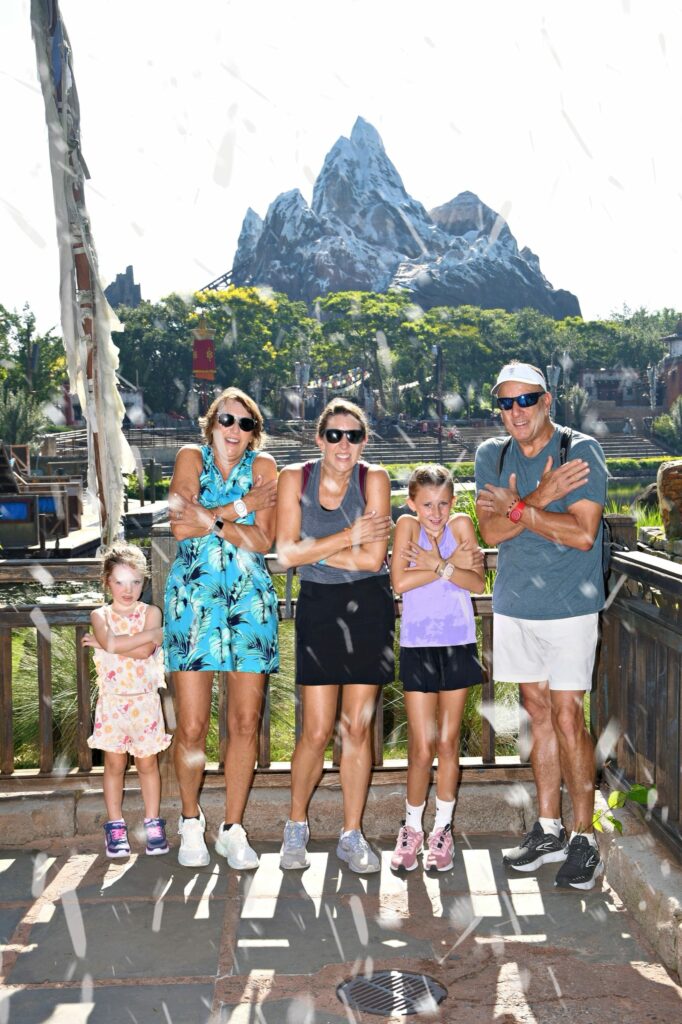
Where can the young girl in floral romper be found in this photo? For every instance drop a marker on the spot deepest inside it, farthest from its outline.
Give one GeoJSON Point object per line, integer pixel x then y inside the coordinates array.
{"type": "Point", "coordinates": [126, 637]}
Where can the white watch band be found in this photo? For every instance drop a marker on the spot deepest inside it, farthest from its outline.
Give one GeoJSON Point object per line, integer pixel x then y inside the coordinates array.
{"type": "Point", "coordinates": [240, 508]}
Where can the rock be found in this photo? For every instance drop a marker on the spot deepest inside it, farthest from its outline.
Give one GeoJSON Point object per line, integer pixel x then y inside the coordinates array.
{"type": "Point", "coordinates": [365, 232]}
{"type": "Point", "coordinates": [647, 498]}
{"type": "Point", "coordinates": [669, 485]}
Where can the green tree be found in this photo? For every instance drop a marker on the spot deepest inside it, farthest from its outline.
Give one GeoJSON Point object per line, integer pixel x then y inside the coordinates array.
{"type": "Point", "coordinates": [31, 364]}
{"type": "Point", "coordinates": [22, 419]}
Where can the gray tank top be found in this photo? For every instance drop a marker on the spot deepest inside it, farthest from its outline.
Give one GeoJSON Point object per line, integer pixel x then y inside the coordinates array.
{"type": "Point", "coordinates": [321, 522]}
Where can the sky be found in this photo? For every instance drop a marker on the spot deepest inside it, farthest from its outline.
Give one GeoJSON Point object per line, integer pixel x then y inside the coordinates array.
{"type": "Point", "coordinates": [562, 115]}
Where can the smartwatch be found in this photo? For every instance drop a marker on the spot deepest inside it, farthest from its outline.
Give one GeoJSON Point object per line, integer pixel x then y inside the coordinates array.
{"type": "Point", "coordinates": [448, 571]}
{"type": "Point", "coordinates": [217, 527]}
{"type": "Point", "coordinates": [516, 511]}
{"type": "Point", "coordinates": [240, 508]}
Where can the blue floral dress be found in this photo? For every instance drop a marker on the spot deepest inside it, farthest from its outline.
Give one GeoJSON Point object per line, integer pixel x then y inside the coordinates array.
{"type": "Point", "coordinates": [220, 610]}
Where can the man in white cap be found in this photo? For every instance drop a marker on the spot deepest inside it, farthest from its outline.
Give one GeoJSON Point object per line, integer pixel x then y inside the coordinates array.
{"type": "Point", "coordinates": [544, 516]}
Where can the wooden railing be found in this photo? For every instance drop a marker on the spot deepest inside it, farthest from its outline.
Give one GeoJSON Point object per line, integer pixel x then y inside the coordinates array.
{"type": "Point", "coordinates": [637, 696]}
{"type": "Point", "coordinates": [77, 616]}
{"type": "Point", "coordinates": [639, 683]}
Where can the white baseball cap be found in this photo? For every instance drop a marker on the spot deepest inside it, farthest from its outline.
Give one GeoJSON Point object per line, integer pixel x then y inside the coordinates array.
{"type": "Point", "coordinates": [522, 373]}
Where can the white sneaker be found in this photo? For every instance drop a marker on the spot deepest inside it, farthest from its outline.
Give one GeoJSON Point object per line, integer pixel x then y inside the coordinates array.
{"type": "Point", "coordinates": [193, 852]}
{"type": "Point", "coordinates": [233, 844]}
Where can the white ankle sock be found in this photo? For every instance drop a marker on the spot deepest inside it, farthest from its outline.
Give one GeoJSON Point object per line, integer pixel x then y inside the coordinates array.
{"type": "Point", "coordinates": [444, 812]}
{"type": "Point", "coordinates": [414, 815]}
{"type": "Point", "coordinates": [590, 836]}
{"type": "Point", "coordinates": [552, 826]}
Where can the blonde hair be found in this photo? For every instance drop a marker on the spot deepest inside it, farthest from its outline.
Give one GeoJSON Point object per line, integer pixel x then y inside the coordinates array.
{"type": "Point", "coordinates": [123, 554]}
{"type": "Point", "coordinates": [208, 422]}
{"type": "Point", "coordinates": [341, 407]}
{"type": "Point", "coordinates": [429, 475]}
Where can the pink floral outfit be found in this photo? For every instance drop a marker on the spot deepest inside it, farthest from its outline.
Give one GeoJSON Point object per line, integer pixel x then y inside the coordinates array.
{"type": "Point", "coordinates": [128, 715]}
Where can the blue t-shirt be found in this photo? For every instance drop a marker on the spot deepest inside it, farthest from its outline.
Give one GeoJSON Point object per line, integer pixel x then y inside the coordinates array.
{"type": "Point", "coordinates": [538, 578]}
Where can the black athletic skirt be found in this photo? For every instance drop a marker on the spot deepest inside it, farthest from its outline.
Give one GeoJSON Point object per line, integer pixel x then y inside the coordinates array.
{"type": "Point", "coordinates": [345, 633]}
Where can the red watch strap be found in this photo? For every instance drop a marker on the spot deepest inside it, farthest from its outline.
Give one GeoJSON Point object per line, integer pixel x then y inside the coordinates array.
{"type": "Point", "coordinates": [517, 509]}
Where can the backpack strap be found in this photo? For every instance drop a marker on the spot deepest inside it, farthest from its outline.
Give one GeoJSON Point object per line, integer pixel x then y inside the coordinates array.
{"type": "Point", "coordinates": [502, 455]}
{"type": "Point", "coordinates": [307, 470]}
{"type": "Point", "coordinates": [565, 444]}
{"type": "Point", "coordinates": [362, 478]}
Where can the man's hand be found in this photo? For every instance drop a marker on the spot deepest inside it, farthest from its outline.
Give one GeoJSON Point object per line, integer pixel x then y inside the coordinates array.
{"type": "Point", "coordinates": [498, 500]}
{"type": "Point", "coordinates": [557, 483]}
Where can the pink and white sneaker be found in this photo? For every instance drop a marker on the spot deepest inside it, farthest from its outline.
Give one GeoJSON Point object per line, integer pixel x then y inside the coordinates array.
{"type": "Point", "coordinates": [440, 853]}
{"type": "Point", "coordinates": [409, 845]}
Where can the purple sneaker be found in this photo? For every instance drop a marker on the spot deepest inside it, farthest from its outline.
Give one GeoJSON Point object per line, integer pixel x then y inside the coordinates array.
{"type": "Point", "coordinates": [116, 839]}
{"type": "Point", "coordinates": [156, 836]}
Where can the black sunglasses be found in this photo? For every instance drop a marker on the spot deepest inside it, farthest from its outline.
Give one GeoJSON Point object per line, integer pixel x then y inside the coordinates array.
{"type": "Point", "coordinates": [333, 435]}
{"type": "Point", "coordinates": [245, 423]}
{"type": "Point", "coordinates": [524, 401]}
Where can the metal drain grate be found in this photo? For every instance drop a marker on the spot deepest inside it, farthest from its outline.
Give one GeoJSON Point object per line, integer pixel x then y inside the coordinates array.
{"type": "Point", "coordinates": [386, 992]}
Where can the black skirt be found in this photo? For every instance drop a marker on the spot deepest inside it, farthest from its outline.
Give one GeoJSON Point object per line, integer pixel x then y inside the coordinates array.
{"type": "Point", "coordinates": [345, 633]}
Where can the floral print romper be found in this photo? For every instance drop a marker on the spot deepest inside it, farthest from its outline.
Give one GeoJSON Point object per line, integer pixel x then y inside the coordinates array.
{"type": "Point", "coordinates": [128, 715]}
{"type": "Point", "coordinates": [221, 608]}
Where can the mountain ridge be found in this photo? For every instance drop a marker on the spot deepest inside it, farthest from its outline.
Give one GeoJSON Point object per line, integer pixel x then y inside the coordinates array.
{"type": "Point", "coordinates": [364, 231]}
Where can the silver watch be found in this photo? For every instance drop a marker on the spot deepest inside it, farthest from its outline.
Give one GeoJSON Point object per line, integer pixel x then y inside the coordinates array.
{"type": "Point", "coordinates": [240, 508]}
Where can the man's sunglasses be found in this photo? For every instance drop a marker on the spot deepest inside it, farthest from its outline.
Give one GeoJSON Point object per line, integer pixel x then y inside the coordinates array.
{"type": "Point", "coordinates": [245, 423]}
{"type": "Point", "coordinates": [333, 436]}
{"type": "Point", "coordinates": [524, 401]}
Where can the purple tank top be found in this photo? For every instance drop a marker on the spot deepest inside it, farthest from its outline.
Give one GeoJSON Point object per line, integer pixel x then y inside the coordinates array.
{"type": "Point", "coordinates": [439, 614]}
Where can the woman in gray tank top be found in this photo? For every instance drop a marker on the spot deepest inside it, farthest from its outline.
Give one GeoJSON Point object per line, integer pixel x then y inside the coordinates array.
{"type": "Point", "coordinates": [333, 520]}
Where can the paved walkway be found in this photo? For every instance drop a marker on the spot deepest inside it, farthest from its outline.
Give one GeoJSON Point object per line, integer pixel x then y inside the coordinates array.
{"type": "Point", "coordinates": [129, 942]}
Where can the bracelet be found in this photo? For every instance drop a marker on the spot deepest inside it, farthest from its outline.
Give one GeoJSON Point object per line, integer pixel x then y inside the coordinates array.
{"type": "Point", "coordinates": [439, 569]}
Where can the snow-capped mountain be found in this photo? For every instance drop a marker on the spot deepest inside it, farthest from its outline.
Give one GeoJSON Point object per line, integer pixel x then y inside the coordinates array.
{"type": "Point", "coordinates": [364, 231]}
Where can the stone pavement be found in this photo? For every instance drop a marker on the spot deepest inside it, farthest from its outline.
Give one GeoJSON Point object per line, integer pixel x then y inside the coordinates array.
{"type": "Point", "coordinates": [128, 942]}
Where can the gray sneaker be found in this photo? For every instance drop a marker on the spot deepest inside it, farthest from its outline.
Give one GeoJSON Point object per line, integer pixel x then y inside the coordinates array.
{"type": "Point", "coordinates": [357, 853]}
{"type": "Point", "coordinates": [293, 854]}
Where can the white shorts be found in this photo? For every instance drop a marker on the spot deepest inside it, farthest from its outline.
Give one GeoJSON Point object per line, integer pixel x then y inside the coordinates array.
{"type": "Point", "coordinates": [559, 651]}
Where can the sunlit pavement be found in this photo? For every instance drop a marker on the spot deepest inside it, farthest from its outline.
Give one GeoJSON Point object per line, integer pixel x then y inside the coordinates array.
{"type": "Point", "coordinates": [92, 940]}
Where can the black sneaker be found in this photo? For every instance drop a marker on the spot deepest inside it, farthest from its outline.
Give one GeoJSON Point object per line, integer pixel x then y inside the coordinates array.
{"type": "Point", "coordinates": [583, 865]}
{"type": "Point", "coordinates": [537, 847]}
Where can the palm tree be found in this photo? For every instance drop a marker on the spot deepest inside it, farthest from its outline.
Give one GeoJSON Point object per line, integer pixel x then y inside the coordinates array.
{"type": "Point", "coordinates": [21, 418]}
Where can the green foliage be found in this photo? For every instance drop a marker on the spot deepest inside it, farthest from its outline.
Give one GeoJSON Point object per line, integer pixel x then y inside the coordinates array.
{"type": "Point", "coordinates": [642, 795]}
{"type": "Point", "coordinates": [21, 418]}
{"type": "Point", "coordinates": [669, 426]}
{"type": "Point", "coordinates": [30, 364]}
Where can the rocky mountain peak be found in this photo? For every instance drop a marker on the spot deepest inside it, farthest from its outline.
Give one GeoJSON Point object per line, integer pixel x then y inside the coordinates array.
{"type": "Point", "coordinates": [364, 231]}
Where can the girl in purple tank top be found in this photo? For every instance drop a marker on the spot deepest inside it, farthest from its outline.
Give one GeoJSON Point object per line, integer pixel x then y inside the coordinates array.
{"type": "Point", "coordinates": [436, 566]}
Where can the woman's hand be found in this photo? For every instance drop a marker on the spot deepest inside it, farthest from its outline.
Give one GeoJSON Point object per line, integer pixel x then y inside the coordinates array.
{"type": "Point", "coordinates": [262, 495]}
{"type": "Point", "coordinates": [421, 558]}
{"type": "Point", "coordinates": [467, 557]}
{"type": "Point", "coordinates": [369, 528]}
{"type": "Point", "coordinates": [193, 516]}
{"type": "Point", "coordinates": [90, 640]}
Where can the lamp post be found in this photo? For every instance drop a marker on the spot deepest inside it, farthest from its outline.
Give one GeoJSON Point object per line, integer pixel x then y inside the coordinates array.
{"type": "Point", "coordinates": [553, 372]}
{"type": "Point", "coordinates": [437, 351]}
{"type": "Point", "coordinates": [302, 375]}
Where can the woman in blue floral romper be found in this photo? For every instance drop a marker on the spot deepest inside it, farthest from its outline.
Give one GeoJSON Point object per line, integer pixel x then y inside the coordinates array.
{"type": "Point", "coordinates": [221, 611]}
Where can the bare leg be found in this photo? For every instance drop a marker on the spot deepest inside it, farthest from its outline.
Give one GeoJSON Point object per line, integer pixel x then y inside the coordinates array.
{"type": "Point", "coordinates": [357, 712]}
{"type": "Point", "coordinates": [319, 713]}
{"type": "Point", "coordinates": [112, 785]}
{"type": "Point", "coordinates": [193, 712]}
{"type": "Point", "coordinates": [544, 755]}
{"type": "Point", "coordinates": [150, 784]}
{"type": "Point", "coordinates": [421, 743]}
{"type": "Point", "coordinates": [450, 710]}
{"type": "Point", "coordinates": [576, 751]}
{"type": "Point", "coordinates": [244, 706]}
